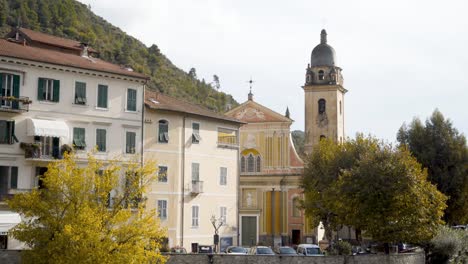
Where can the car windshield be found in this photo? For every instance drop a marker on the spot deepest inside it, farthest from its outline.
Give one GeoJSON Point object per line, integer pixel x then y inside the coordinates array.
{"type": "Point", "coordinates": [264, 251]}
{"type": "Point", "coordinates": [287, 250]}
{"type": "Point", "coordinates": [313, 251]}
{"type": "Point", "coordinates": [236, 250]}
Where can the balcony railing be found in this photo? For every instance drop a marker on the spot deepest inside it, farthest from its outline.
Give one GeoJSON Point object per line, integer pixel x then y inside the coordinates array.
{"type": "Point", "coordinates": [196, 187]}
{"type": "Point", "coordinates": [34, 151]}
{"type": "Point", "coordinates": [14, 104]}
{"type": "Point", "coordinates": [11, 193]}
{"type": "Point", "coordinates": [227, 142]}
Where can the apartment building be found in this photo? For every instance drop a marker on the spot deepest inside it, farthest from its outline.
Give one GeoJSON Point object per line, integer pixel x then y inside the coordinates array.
{"type": "Point", "coordinates": [56, 94]}
{"type": "Point", "coordinates": [197, 154]}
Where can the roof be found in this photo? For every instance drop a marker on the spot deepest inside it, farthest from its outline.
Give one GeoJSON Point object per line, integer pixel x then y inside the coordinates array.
{"type": "Point", "coordinates": [52, 40]}
{"type": "Point", "coordinates": [159, 101]}
{"type": "Point", "coordinates": [323, 54]}
{"type": "Point", "coordinates": [253, 112]}
{"type": "Point", "coordinates": [19, 51]}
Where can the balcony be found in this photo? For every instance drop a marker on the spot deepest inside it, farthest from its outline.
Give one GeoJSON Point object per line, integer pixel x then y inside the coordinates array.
{"type": "Point", "coordinates": [14, 104]}
{"type": "Point", "coordinates": [196, 187]}
{"type": "Point", "coordinates": [10, 193]}
{"type": "Point", "coordinates": [39, 151]}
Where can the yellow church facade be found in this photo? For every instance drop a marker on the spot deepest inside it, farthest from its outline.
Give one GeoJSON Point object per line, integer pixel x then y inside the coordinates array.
{"type": "Point", "coordinates": [270, 174]}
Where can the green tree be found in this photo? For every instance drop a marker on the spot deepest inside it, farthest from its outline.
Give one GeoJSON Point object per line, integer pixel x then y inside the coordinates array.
{"type": "Point", "coordinates": [193, 73]}
{"type": "Point", "coordinates": [440, 148]}
{"type": "Point", "coordinates": [386, 193]}
{"type": "Point", "coordinates": [3, 12]}
{"type": "Point", "coordinates": [298, 138]}
{"type": "Point", "coordinates": [74, 220]}
{"type": "Point", "coordinates": [216, 83]}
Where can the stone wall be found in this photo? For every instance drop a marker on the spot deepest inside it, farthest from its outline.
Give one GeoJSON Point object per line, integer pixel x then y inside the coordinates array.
{"type": "Point", "coordinates": [10, 256]}
{"type": "Point", "coordinates": [416, 258]}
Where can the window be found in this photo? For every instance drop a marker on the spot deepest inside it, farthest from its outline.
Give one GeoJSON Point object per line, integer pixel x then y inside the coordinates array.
{"type": "Point", "coordinates": [242, 164]}
{"type": "Point", "coordinates": [222, 176]}
{"type": "Point", "coordinates": [162, 209]}
{"type": "Point", "coordinates": [79, 138]}
{"type": "Point", "coordinates": [130, 142]}
{"type": "Point", "coordinates": [50, 146]}
{"type": "Point", "coordinates": [340, 108]}
{"type": "Point", "coordinates": [196, 133]}
{"type": "Point", "coordinates": [258, 164]}
{"type": "Point", "coordinates": [223, 214]}
{"type": "Point", "coordinates": [9, 86]}
{"type": "Point", "coordinates": [7, 132]}
{"type": "Point", "coordinates": [322, 104]}
{"type": "Point", "coordinates": [101, 139]}
{"type": "Point", "coordinates": [195, 172]}
{"type": "Point", "coordinates": [48, 90]}
{"type": "Point", "coordinates": [195, 216]}
{"type": "Point", "coordinates": [163, 133]}
{"type": "Point", "coordinates": [250, 163]}
{"type": "Point", "coordinates": [8, 180]}
{"type": "Point", "coordinates": [162, 174]}
{"type": "Point", "coordinates": [131, 100]}
{"type": "Point", "coordinates": [102, 96]}
{"type": "Point", "coordinates": [296, 211]}
{"type": "Point", "coordinates": [322, 137]}
{"type": "Point", "coordinates": [80, 93]}
{"type": "Point", "coordinates": [321, 75]}
{"type": "Point", "coordinates": [227, 137]}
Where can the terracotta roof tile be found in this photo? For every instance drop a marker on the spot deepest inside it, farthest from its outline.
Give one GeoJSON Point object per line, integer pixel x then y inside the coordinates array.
{"type": "Point", "coordinates": [20, 51]}
{"type": "Point", "coordinates": [157, 100]}
{"type": "Point", "coordinates": [52, 40]}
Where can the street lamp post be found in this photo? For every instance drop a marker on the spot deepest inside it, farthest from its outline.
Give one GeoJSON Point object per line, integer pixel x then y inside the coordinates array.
{"type": "Point", "coordinates": [217, 223]}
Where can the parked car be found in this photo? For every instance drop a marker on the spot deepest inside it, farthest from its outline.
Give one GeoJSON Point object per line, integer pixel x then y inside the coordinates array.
{"type": "Point", "coordinates": [309, 250]}
{"type": "Point", "coordinates": [205, 249]}
{"type": "Point", "coordinates": [285, 251]}
{"type": "Point", "coordinates": [234, 250]}
{"type": "Point", "coordinates": [261, 250]}
{"type": "Point", "coordinates": [178, 250]}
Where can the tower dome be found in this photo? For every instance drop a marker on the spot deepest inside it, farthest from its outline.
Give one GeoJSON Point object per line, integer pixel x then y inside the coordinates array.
{"type": "Point", "coordinates": [323, 54]}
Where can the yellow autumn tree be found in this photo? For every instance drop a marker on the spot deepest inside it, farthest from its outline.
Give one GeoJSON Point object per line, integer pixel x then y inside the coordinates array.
{"type": "Point", "coordinates": [74, 219]}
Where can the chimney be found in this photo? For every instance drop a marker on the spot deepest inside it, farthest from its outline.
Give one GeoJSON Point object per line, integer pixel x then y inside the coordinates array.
{"type": "Point", "coordinates": [84, 50]}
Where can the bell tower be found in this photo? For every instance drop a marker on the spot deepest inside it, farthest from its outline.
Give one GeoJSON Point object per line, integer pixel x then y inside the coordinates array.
{"type": "Point", "coordinates": [324, 96]}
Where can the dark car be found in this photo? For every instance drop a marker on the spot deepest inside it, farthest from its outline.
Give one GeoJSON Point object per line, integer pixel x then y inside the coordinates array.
{"type": "Point", "coordinates": [289, 251]}
{"type": "Point", "coordinates": [234, 250]}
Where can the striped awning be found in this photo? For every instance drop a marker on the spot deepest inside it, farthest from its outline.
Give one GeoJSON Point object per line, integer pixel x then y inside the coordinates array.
{"type": "Point", "coordinates": [47, 128]}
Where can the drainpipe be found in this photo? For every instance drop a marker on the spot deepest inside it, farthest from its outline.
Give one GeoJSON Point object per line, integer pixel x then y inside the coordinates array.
{"type": "Point", "coordinates": [238, 188]}
{"type": "Point", "coordinates": [183, 184]}
{"type": "Point", "coordinates": [142, 127]}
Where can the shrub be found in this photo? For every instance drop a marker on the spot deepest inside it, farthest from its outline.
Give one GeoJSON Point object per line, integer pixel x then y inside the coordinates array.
{"type": "Point", "coordinates": [448, 246]}
{"type": "Point", "coordinates": [341, 248]}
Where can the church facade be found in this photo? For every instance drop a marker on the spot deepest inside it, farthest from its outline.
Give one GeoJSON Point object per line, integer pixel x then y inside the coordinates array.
{"type": "Point", "coordinates": [271, 169]}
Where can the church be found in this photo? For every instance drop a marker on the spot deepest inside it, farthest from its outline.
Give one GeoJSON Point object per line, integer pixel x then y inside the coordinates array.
{"type": "Point", "coordinates": [271, 169]}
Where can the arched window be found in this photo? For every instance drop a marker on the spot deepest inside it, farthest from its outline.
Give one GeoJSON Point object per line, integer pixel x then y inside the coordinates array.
{"type": "Point", "coordinates": [308, 78]}
{"type": "Point", "coordinates": [259, 164]}
{"type": "Point", "coordinates": [163, 133]}
{"type": "Point", "coordinates": [242, 164]}
{"type": "Point", "coordinates": [322, 105]}
{"type": "Point", "coordinates": [322, 137]}
{"type": "Point", "coordinates": [321, 75]}
{"type": "Point", "coordinates": [250, 163]}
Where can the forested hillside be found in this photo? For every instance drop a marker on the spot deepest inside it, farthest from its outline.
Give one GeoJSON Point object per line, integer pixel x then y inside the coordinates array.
{"type": "Point", "coordinates": [71, 19]}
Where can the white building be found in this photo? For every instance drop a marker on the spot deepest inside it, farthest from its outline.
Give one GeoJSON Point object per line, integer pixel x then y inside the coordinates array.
{"type": "Point", "coordinates": [54, 93]}
{"type": "Point", "coordinates": [197, 153]}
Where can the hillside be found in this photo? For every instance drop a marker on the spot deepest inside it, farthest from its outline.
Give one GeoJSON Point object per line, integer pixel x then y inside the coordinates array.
{"type": "Point", "coordinates": [71, 19]}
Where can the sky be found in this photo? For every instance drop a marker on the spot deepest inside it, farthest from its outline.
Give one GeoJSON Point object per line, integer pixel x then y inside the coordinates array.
{"type": "Point", "coordinates": [401, 59]}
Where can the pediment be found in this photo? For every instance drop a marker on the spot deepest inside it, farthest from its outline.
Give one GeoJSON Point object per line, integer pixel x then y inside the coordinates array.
{"type": "Point", "coordinates": [252, 112]}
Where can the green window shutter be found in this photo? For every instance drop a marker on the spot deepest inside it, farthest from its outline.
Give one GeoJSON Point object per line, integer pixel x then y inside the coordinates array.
{"type": "Point", "coordinates": [130, 142]}
{"type": "Point", "coordinates": [40, 89]}
{"type": "Point", "coordinates": [101, 139]}
{"type": "Point", "coordinates": [131, 99]}
{"type": "Point", "coordinates": [3, 132]}
{"type": "Point", "coordinates": [16, 91]}
{"type": "Point", "coordinates": [10, 137]}
{"type": "Point", "coordinates": [1, 84]}
{"type": "Point", "coordinates": [79, 137]}
{"type": "Point", "coordinates": [56, 92]}
{"type": "Point", "coordinates": [102, 96]}
{"type": "Point", "coordinates": [14, 178]}
{"type": "Point", "coordinates": [195, 171]}
{"type": "Point", "coordinates": [80, 93]}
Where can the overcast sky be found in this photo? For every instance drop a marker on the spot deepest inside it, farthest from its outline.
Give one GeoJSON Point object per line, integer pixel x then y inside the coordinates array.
{"type": "Point", "coordinates": [401, 59]}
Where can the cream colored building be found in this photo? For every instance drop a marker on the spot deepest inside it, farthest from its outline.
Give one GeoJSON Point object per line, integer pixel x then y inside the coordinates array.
{"type": "Point", "coordinates": [197, 154]}
{"type": "Point", "coordinates": [55, 93]}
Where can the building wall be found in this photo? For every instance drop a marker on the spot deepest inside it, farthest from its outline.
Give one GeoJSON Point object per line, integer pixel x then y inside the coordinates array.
{"type": "Point", "coordinates": [115, 119]}
{"type": "Point", "coordinates": [179, 154]}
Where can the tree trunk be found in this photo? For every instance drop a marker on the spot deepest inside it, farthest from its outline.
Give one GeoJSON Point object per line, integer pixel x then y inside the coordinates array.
{"type": "Point", "coordinates": [387, 248]}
